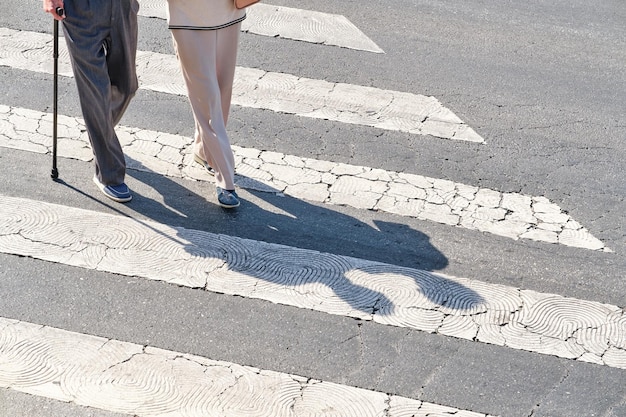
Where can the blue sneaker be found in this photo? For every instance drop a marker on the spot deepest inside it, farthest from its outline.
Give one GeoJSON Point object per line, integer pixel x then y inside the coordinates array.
{"type": "Point", "coordinates": [119, 193]}
{"type": "Point", "coordinates": [204, 163]}
{"type": "Point", "coordinates": [227, 198]}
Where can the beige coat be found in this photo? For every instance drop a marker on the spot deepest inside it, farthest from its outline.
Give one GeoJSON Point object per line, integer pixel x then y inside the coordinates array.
{"type": "Point", "coordinates": [203, 14]}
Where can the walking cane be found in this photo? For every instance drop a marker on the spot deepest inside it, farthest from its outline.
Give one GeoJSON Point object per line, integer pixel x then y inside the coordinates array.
{"type": "Point", "coordinates": [55, 55]}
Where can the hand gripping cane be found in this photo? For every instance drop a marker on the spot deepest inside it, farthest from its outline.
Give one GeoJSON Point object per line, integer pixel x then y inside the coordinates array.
{"type": "Point", "coordinates": [55, 55]}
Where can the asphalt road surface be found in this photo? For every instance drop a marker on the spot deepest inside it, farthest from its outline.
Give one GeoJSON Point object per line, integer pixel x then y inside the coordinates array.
{"type": "Point", "coordinates": [431, 224]}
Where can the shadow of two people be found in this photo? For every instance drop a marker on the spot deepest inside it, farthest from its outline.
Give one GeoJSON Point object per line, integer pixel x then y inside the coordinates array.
{"type": "Point", "coordinates": [355, 260]}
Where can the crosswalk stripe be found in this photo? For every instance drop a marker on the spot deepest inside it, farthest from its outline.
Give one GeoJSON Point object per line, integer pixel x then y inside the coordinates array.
{"type": "Point", "coordinates": [520, 319]}
{"type": "Point", "coordinates": [289, 23]}
{"type": "Point", "coordinates": [140, 380]}
{"type": "Point", "coordinates": [279, 92]}
{"type": "Point", "coordinates": [510, 215]}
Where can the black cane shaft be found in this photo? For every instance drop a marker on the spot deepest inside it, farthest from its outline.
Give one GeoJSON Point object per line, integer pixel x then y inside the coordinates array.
{"type": "Point", "coordinates": [55, 90]}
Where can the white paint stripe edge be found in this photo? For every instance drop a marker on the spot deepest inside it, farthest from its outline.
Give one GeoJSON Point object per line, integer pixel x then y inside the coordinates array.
{"type": "Point", "coordinates": [510, 215]}
{"type": "Point", "coordinates": [139, 380]}
{"type": "Point", "coordinates": [458, 307]}
{"type": "Point", "coordinates": [283, 93]}
{"type": "Point", "coordinates": [289, 23]}
{"type": "Point", "coordinates": [307, 25]}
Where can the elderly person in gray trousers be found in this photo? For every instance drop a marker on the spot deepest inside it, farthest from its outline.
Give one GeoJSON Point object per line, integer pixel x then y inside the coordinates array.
{"type": "Point", "coordinates": [101, 37]}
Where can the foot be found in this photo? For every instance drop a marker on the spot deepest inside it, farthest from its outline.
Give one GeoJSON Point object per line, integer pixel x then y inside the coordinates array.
{"type": "Point", "coordinates": [204, 163]}
{"type": "Point", "coordinates": [119, 193]}
{"type": "Point", "coordinates": [227, 198]}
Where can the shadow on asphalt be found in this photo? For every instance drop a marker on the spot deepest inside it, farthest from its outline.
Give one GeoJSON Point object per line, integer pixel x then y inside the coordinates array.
{"type": "Point", "coordinates": [398, 252]}
{"type": "Point", "coordinates": [296, 224]}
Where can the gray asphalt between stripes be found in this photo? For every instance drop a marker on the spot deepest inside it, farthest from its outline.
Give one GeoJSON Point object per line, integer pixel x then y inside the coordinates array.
{"type": "Point", "coordinates": [18, 404]}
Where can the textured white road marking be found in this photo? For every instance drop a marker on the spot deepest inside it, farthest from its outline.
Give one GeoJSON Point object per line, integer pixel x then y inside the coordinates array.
{"type": "Point", "coordinates": [283, 93]}
{"type": "Point", "coordinates": [467, 309]}
{"type": "Point", "coordinates": [289, 23]}
{"type": "Point", "coordinates": [139, 380]}
{"type": "Point", "coordinates": [511, 215]}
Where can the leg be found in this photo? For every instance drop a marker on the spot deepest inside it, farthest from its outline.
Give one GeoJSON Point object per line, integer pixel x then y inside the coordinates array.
{"type": "Point", "coordinates": [197, 53]}
{"type": "Point", "coordinates": [226, 61]}
{"type": "Point", "coordinates": [227, 46]}
{"type": "Point", "coordinates": [87, 28]}
{"type": "Point", "coordinates": [122, 56]}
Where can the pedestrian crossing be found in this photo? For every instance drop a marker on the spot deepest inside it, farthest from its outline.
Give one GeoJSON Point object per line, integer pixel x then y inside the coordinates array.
{"type": "Point", "coordinates": [371, 291]}
{"type": "Point", "coordinates": [510, 215]}
{"type": "Point", "coordinates": [255, 88]}
{"type": "Point", "coordinates": [143, 380]}
{"type": "Point", "coordinates": [505, 214]}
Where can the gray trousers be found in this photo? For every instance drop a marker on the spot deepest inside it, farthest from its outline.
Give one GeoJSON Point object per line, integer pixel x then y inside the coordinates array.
{"type": "Point", "coordinates": [101, 38]}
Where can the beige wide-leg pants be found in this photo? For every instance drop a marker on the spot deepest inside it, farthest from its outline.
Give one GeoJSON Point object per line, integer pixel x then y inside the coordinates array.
{"type": "Point", "coordinates": [207, 59]}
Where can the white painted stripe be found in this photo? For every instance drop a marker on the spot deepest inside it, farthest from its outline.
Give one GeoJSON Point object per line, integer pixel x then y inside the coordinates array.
{"type": "Point", "coordinates": [511, 215]}
{"type": "Point", "coordinates": [289, 23]}
{"type": "Point", "coordinates": [139, 380]}
{"type": "Point", "coordinates": [458, 307]}
{"type": "Point", "coordinates": [308, 26]}
{"type": "Point", "coordinates": [283, 93]}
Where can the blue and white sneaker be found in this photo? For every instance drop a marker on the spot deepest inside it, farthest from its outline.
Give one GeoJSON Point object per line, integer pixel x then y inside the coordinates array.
{"type": "Point", "coordinates": [227, 198]}
{"type": "Point", "coordinates": [119, 193]}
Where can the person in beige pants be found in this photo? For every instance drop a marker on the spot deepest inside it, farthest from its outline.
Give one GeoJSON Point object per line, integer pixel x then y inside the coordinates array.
{"type": "Point", "coordinates": [206, 37]}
